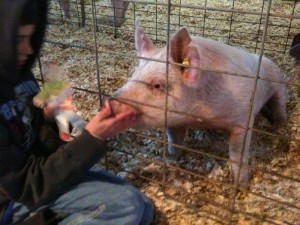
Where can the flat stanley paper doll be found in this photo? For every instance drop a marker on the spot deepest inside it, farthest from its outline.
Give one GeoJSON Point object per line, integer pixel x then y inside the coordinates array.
{"type": "Point", "coordinates": [56, 94]}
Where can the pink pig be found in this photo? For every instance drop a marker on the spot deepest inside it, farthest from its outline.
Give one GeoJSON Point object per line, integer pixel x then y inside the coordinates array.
{"type": "Point", "coordinates": [207, 99]}
{"type": "Point", "coordinates": [119, 8]}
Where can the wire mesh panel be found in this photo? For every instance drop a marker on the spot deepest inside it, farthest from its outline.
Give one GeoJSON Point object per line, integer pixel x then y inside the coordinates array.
{"type": "Point", "coordinates": [95, 44]}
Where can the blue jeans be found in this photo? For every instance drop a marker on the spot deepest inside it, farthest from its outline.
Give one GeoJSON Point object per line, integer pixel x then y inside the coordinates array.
{"type": "Point", "coordinates": [101, 199]}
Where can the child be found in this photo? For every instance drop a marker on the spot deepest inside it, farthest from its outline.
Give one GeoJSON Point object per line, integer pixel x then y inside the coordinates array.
{"type": "Point", "coordinates": [37, 171]}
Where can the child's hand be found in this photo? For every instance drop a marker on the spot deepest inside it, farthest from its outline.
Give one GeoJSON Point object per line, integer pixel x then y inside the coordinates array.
{"type": "Point", "coordinates": [50, 111]}
{"type": "Point", "coordinates": [105, 124]}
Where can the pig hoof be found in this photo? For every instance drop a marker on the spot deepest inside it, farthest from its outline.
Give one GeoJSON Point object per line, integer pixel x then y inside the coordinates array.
{"type": "Point", "coordinates": [110, 21]}
{"type": "Point", "coordinates": [243, 183]}
{"type": "Point", "coordinates": [118, 22]}
{"type": "Point", "coordinates": [174, 157]}
{"type": "Point", "coordinates": [174, 153]}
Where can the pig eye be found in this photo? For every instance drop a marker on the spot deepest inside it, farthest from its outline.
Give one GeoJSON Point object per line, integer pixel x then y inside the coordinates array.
{"type": "Point", "coordinates": [157, 86]}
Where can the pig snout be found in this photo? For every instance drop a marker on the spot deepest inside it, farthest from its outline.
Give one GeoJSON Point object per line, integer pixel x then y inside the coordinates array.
{"type": "Point", "coordinates": [119, 106]}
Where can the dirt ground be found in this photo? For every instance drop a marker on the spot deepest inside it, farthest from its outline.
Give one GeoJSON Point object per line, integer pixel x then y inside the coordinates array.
{"type": "Point", "coordinates": [198, 188]}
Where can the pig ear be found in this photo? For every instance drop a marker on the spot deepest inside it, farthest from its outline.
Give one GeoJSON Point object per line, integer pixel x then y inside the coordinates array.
{"type": "Point", "coordinates": [182, 52]}
{"type": "Point", "coordinates": [143, 44]}
{"type": "Point", "coordinates": [178, 44]}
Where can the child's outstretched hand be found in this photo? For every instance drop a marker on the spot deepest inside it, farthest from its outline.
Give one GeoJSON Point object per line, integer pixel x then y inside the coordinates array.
{"type": "Point", "coordinates": [106, 124]}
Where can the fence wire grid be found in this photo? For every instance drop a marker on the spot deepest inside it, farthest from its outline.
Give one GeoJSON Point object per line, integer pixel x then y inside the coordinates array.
{"type": "Point", "coordinates": [99, 56]}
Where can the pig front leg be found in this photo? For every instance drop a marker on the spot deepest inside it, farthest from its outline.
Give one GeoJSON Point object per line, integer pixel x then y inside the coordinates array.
{"type": "Point", "coordinates": [119, 8]}
{"type": "Point", "coordinates": [237, 135]}
{"type": "Point", "coordinates": [65, 8]}
{"type": "Point", "coordinates": [175, 136]}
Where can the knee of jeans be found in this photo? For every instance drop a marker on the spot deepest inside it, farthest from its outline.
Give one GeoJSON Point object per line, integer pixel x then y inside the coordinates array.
{"type": "Point", "coordinates": [134, 196]}
{"type": "Point", "coordinates": [142, 206]}
{"type": "Point", "coordinates": [134, 199]}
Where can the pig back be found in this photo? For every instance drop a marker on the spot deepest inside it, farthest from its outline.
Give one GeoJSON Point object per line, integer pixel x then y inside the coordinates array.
{"type": "Point", "coordinates": [234, 92]}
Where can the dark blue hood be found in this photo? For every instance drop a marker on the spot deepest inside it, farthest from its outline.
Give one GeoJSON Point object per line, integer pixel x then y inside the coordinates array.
{"type": "Point", "coordinates": [10, 12]}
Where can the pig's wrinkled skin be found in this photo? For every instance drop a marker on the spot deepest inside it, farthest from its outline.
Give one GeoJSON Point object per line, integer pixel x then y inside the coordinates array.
{"type": "Point", "coordinates": [119, 8]}
{"type": "Point", "coordinates": [220, 101]}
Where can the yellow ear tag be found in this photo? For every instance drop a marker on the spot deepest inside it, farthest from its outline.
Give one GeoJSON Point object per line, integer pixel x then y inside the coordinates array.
{"type": "Point", "coordinates": [185, 62]}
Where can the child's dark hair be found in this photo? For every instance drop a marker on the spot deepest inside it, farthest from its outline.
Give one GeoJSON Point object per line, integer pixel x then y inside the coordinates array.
{"type": "Point", "coordinates": [29, 13]}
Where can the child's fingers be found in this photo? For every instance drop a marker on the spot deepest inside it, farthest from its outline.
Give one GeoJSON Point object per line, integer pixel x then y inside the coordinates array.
{"type": "Point", "coordinates": [107, 106]}
{"type": "Point", "coordinates": [126, 116]}
{"type": "Point", "coordinates": [105, 111]}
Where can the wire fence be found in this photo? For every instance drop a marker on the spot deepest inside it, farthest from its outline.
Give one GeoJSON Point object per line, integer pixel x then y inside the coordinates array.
{"type": "Point", "coordinates": [201, 179]}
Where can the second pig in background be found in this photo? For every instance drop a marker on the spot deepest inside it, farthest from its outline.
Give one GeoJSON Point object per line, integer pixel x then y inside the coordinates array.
{"type": "Point", "coordinates": [118, 7]}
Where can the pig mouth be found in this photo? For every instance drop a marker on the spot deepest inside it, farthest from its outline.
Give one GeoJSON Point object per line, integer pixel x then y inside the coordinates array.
{"type": "Point", "coordinates": [119, 106]}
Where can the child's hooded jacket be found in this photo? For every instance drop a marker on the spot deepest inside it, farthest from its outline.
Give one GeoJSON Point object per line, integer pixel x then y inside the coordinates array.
{"type": "Point", "coordinates": [31, 171]}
